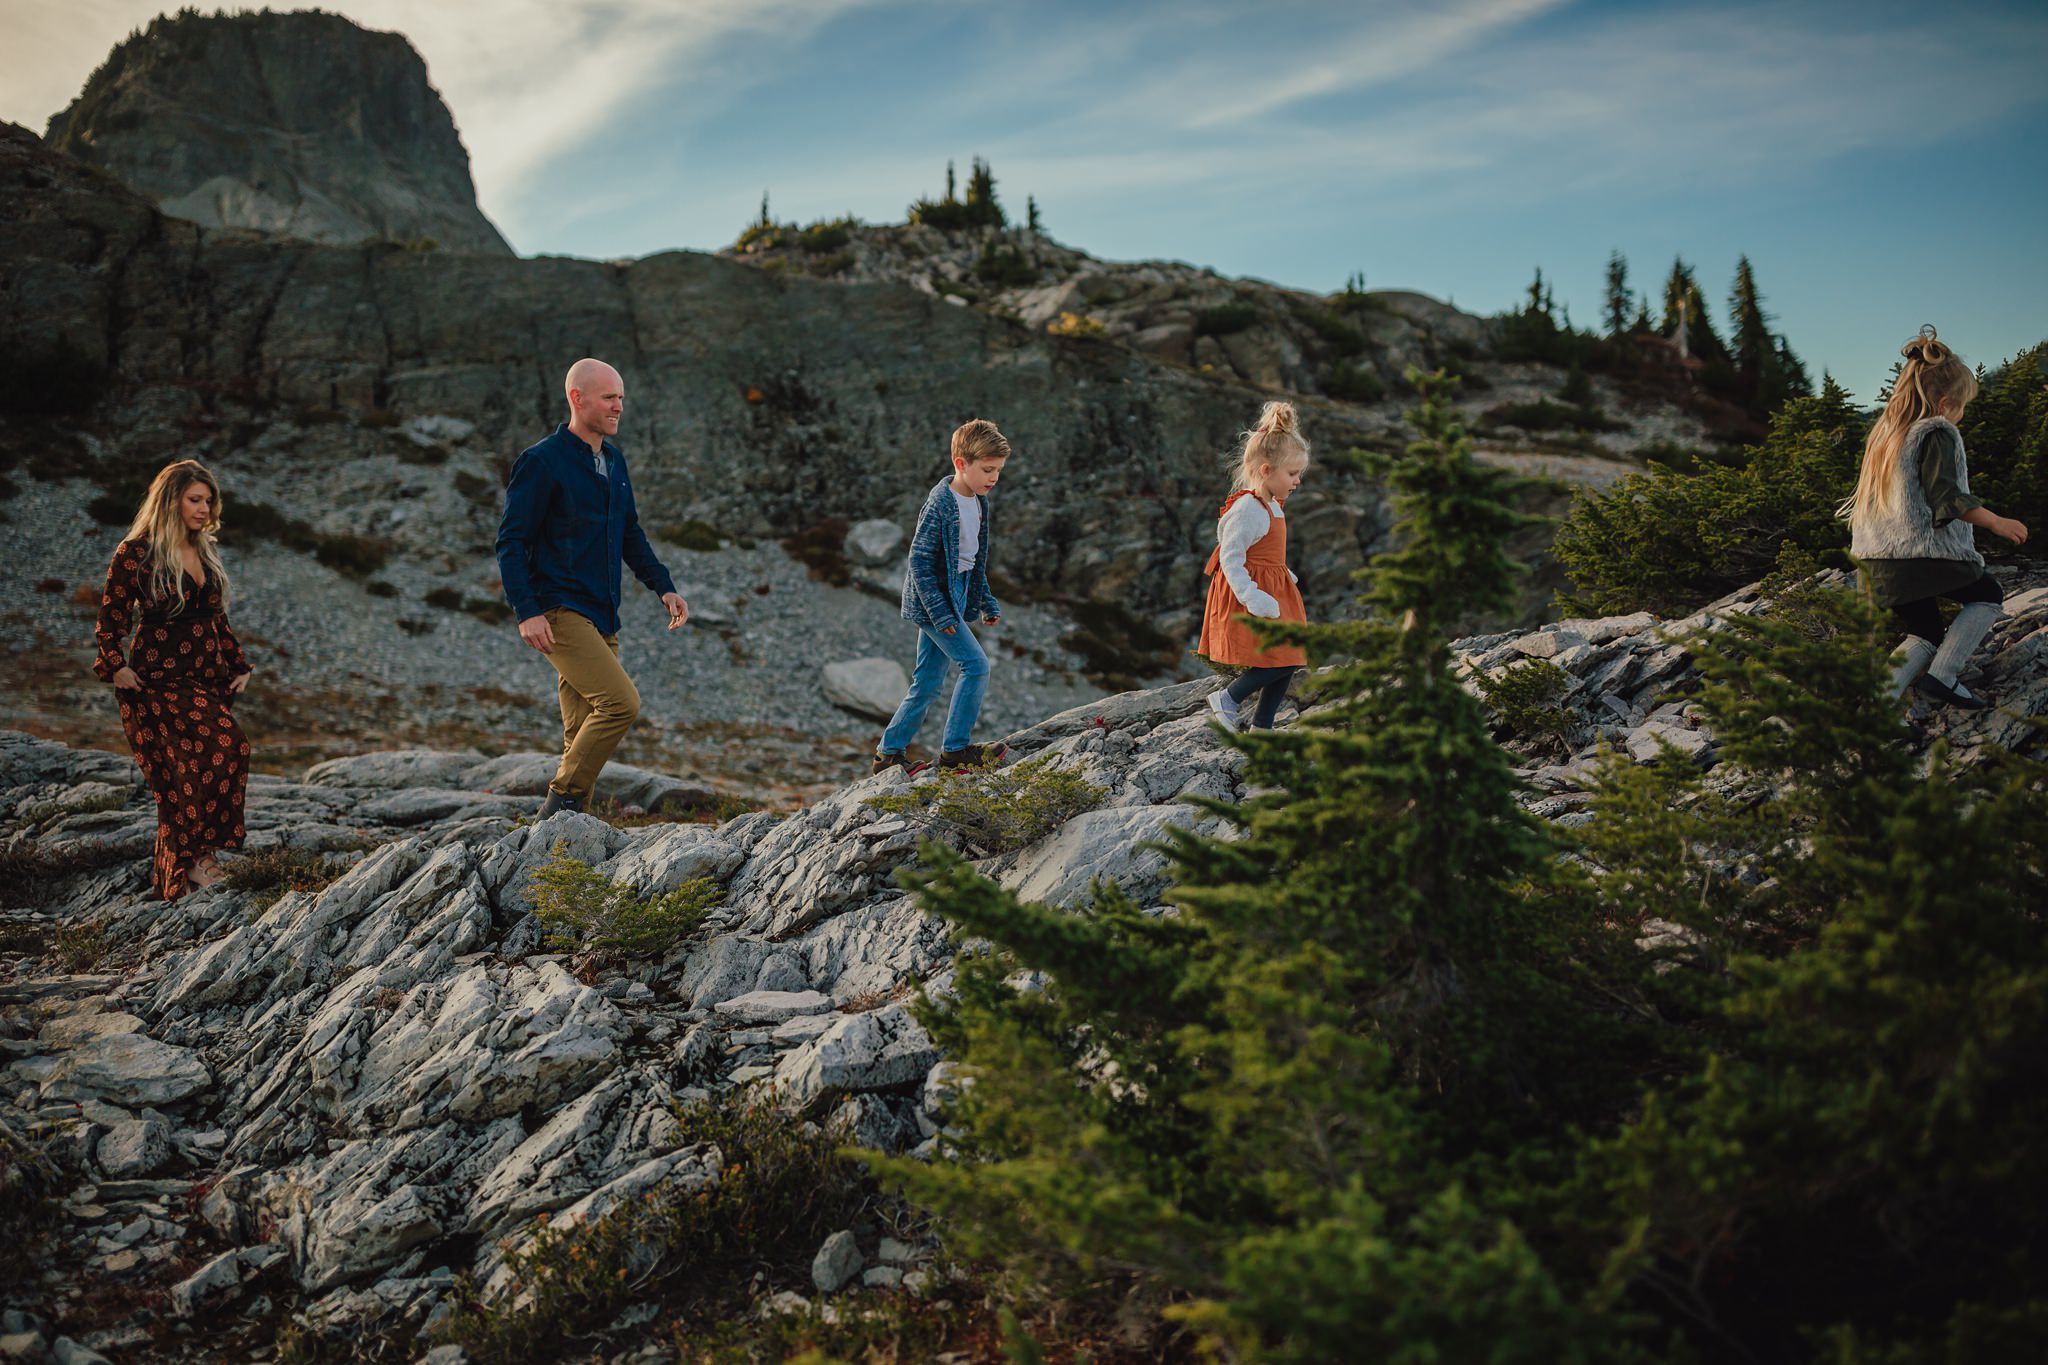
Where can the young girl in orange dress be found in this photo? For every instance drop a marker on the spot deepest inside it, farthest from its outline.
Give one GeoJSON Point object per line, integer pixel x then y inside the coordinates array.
{"type": "Point", "coordinates": [1248, 571]}
{"type": "Point", "coordinates": [165, 645]}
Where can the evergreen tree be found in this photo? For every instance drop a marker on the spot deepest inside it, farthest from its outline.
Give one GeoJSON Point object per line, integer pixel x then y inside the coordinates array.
{"type": "Point", "coordinates": [1031, 221]}
{"type": "Point", "coordinates": [1577, 389]}
{"type": "Point", "coordinates": [982, 207]}
{"type": "Point", "coordinates": [1668, 540]}
{"type": "Point", "coordinates": [1682, 296]}
{"type": "Point", "coordinates": [764, 220]}
{"type": "Point", "coordinates": [950, 197]}
{"type": "Point", "coordinates": [1617, 294]}
{"type": "Point", "coordinates": [1750, 330]}
{"type": "Point", "coordinates": [1841, 1164]}
{"type": "Point", "coordinates": [1285, 1100]}
{"type": "Point", "coordinates": [1537, 296]}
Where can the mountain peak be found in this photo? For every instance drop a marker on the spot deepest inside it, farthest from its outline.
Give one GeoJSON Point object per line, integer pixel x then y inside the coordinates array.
{"type": "Point", "coordinates": [299, 124]}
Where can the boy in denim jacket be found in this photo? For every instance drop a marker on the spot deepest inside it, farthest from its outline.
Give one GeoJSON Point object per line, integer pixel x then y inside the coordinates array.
{"type": "Point", "coordinates": [945, 581]}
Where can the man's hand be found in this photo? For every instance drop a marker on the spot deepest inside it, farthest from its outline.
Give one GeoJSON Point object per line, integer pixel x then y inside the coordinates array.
{"type": "Point", "coordinates": [678, 609]}
{"type": "Point", "coordinates": [125, 680]}
{"type": "Point", "coordinates": [2014, 531]}
{"type": "Point", "coordinates": [236, 685]}
{"type": "Point", "coordinates": [536, 631]}
{"type": "Point", "coordinates": [990, 620]}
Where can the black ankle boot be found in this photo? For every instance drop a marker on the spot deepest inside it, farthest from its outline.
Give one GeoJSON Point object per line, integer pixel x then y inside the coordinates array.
{"type": "Point", "coordinates": [557, 802]}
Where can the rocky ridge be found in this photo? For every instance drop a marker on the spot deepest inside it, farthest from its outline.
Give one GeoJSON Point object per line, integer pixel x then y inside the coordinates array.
{"type": "Point", "coordinates": [375, 1083]}
{"type": "Point", "coordinates": [295, 124]}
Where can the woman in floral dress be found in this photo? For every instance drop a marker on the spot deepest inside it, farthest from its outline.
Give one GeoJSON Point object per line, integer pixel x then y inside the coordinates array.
{"type": "Point", "coordinates": [165, 645]}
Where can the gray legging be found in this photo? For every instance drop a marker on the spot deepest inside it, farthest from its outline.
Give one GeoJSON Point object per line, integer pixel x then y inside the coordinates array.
{"type": "Point", "coordinates": [1270, 684]}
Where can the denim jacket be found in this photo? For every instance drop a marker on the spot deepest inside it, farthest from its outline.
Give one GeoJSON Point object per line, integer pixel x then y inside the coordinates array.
{"type": "Point", "coordinates": [566, 530]}
{"type": "Point", "coordinates": [931, 571]}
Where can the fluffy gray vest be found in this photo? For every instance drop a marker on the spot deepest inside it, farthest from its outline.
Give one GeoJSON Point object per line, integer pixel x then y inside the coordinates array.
{"type": "Point", "coordinates": [1908, 531]}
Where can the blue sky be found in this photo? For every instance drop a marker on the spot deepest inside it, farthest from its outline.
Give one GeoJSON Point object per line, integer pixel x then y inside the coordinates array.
{"type": "Point", "coordinates": [1881, 163]}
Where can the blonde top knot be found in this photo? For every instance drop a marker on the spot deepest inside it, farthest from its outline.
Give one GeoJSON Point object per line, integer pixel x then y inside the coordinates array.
{"type": "Point", "coordinates": [1924, 348]}
{"type": "Point", "coordinates": [1278, 419]}
{"type": "Point", "coordinates": [1275, 440]}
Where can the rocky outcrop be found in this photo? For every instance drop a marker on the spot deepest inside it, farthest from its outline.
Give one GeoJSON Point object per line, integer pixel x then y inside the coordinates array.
{"type": "Point", "coordinates": [378, 1082]}
{"type": "Point", "coordinates": [296, 124]}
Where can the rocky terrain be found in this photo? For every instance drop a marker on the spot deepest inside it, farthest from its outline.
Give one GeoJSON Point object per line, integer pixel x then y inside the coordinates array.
{"type": "Point", "coordinates": [296, 124]}
{"type": "Point", "coordinates": [333, 1100]}
{"type": "Point", "coordinates": [363, 400]}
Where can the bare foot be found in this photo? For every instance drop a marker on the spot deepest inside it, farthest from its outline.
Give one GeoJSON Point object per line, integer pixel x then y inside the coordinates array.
{"type": "Point", "coordinates": [205, 872]}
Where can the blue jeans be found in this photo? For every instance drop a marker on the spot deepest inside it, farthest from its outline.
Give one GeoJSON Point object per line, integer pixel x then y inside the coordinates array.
{"type": "Point", "coordinates": [936, 652]}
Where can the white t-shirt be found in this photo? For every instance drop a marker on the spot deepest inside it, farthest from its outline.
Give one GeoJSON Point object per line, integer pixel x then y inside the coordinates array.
{"type": "Point", "coordinates": [970, 530]}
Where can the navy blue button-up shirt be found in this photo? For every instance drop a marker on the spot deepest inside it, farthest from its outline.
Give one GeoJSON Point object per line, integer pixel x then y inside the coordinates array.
{"type": "Point", "coordinates": [567, 529]}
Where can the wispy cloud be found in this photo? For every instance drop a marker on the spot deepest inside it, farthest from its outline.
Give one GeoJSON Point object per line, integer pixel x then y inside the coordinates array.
{"type": "Point", "coordinates": [529, 81]}
{"type": "Point", "coordinates": [1374, 55]}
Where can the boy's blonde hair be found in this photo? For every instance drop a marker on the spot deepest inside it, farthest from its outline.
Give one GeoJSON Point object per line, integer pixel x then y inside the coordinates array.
{"type": "Point", "coordinates": [1932, 375]}
{"type": "Point", "coordinates": [979, 440]}
{"type": "Point", "coordinates": [1276, 440]}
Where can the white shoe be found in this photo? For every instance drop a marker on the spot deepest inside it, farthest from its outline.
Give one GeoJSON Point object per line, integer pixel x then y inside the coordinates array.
{"type": "Point", "coordinates": [1225, 709]}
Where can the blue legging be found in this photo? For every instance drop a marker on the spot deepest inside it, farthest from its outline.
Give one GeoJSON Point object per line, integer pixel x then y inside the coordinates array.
{"type": "Point", "coordinates": [1270, 684]}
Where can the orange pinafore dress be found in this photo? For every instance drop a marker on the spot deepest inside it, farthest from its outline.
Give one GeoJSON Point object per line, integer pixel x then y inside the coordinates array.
{"type": "Point", "coordinates": [1226, 640]}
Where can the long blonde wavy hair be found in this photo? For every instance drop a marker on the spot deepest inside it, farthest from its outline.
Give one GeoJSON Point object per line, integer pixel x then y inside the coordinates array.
{"type": "Point", "coordinates": [159, 523]}
{"type": "Point", "coordinates": [1933, 376]}
{"type": "Point", "coordinates": [1275, 441]}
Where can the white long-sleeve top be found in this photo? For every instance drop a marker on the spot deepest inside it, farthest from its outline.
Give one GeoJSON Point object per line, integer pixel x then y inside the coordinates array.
{"type": "Point", "coordinates": [1237, 530]}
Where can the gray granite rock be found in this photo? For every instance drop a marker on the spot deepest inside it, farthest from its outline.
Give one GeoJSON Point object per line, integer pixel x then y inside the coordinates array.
{"type": "Point", "coordinates": [837, 1261]}
{"type": "Point", "coordinates": [128, 1069]}
{"type": "Point", "coordinates": [872, 688]}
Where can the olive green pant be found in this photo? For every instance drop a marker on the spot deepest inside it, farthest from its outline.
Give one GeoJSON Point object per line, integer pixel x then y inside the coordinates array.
{"type": "Point", "coordinates": [598, 700]}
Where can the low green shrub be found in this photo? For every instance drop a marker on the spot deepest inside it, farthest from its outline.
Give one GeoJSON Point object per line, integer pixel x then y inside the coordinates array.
{"type": "Point", "coordinates": [692, 534]}
{"type": "Point", "coordinates": [80, 947]}
{"type": "Point", "coordinates": [1005, 267]}
{"type": "Point", "coordinates": [995, 810]}
{"type": "Point", "coordinates": [783, 1188]}
{"type": "Point", "coordinates": [269, 874]}
{"type": "Point", "coordinates": [1544, 415]}
{"type": "Point", "coordinates": [30, 1186]}
{"type": "Point", "coordinates": [1355, 383]}
{"type": "Point", "coordinates": [1667, 541]}
{"type": "Point", "coordinates": [1341, 337]}
{"type": "Point", "coordinates": [1526, 701]}
{"type": "Point", "coordinates": [584, 911]}
{"type": "Point", "coordinates": [1225, 318]}
{"type": "Point", "coordinates": [34, 878]}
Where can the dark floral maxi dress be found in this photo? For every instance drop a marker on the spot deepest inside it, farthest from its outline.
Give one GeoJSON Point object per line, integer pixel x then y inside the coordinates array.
{"type": "Point", "coordinates": [192, 753]}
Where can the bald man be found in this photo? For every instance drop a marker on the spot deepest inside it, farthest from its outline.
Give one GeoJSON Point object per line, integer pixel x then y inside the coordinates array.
{"type": "Point", "coordinates": [569, 523]}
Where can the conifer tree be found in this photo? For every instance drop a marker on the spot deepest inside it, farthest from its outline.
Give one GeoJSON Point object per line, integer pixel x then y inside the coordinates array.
{"type": "Point", "coordinates": [1750, 329]}
{"type": "Point", "coordinates": [983, 210]}
{"type": "Point", "coordinates": [1682, 295]}
{"type": "Point", "coordinates": [1264, 1101]}
{"type": "Point", "coordinates": [1617, 294]}
{"type": "Point", "coordinates": [1840, 1164]}
{"type": "Point", "coordinates": [1031, 221]}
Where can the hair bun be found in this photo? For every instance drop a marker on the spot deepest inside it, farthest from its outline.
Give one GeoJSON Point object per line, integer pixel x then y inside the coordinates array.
{"type": "Point", "coordinates": [1924, 348]}
{"type": "Point", "coordinates": [1278, 418]}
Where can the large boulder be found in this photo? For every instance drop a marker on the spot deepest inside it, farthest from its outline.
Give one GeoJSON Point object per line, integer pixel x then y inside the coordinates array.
{"type": "Point", "coordinates": [867, 687]}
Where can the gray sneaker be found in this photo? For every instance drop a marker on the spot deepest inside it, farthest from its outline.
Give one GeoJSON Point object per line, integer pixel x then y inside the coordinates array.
{"type": "Point", "coordinates": [1225, 709]}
